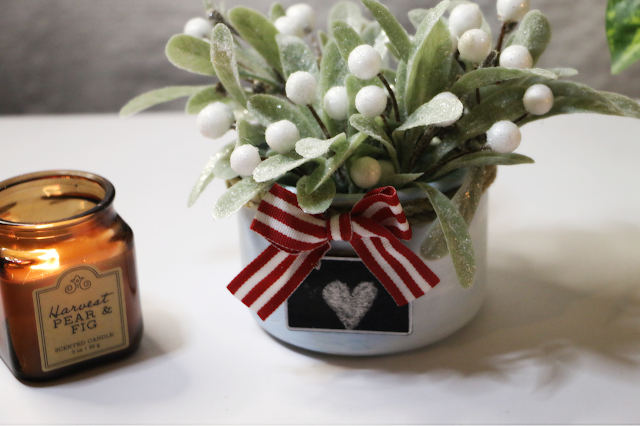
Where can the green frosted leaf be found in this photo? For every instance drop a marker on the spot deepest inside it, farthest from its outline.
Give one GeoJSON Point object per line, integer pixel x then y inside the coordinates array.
{"type": "Point", "coordinates": [399, 180]}
{"type": "Point", "coordinates": [486, 76]}
{"type": "Point", "coordinates": [456, 234]}
{"type": "Point", "coordinates": [346, 38]}
{"type": "Point", "coordinates": [224, 62]}
{"type": "Point", "coordinates": [190, 54]}
{"type": "Point", "coordinates": [623, 33]}
{"type": "Point", "coordinates": [371, 32]}
{"type": "Point", "coordinates": [252, 65]}
{"type": "Point", "coordinates": [317, 201]}
{"type": "Point", "coordinates": [295, 55]}
{"type": "Point", "coordinates": [534, 33]}
{"type": "Point", "coordinates": [269, 109]}
{"type": "Point", "coordinates": [416, 16]}
{"type": "Point", "coordinates": [430, 61]}
{"type": "Point", "coordinates": [222, 168]}
{"type": "Point", "coordinates": [400, 89]}
{"type": "Point", "coordinates": [484, 158]}
{"type": "Point", "coordinates": [256, 30]}
{"type": "Point", "coordinates": [239, 195]}
{"type": "Point", "coordinates": [343, 150]}
{"type": "Point", "coordinates": [314, 148]}
{"type": "Point", "coordinates": [276, 11]}
{"type": "Point", "coordinates": [396, 33]}
{"type": "Point", "coordinates": [435, 111]}
{"type": "Point", "coordinates": [333, 71]}
{"type": "Point", "coordinates": [505, 104]}
{"type": "Point", "coordinates": [370, 127]}
{"type": "Point", "coordinates": [202, 98]}
{"type": "Point", "coordinates": [466, 201]}
{"type": "Point", "coordinates": [207, 174]}
{"type": "Point", "coordinates": [249, 132]}
{"type": "Point", "coordinates": [349, 13]}
{"type": "Point", "coordinates": [277, 165]}
{"type": "Point", "coordinates": [564, 72]}
{"type": "Point", "coordinates": [156, 97]}
{"type": "Point", "coordinates": [628, 106]}
{"type": "Point", "coordinates": [323, 38]}
{"type": "Point", "coordinates": [354, 85]}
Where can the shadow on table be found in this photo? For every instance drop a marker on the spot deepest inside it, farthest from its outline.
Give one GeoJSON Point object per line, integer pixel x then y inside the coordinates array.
{"type": "Point", "coordinates": [552, 298]}
{"type": "Point", "coordinates": [162, 335]}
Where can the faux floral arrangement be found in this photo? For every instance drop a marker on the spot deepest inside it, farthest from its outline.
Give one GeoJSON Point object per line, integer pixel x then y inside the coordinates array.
{"type": "Point", "coordinates": [367, 105]}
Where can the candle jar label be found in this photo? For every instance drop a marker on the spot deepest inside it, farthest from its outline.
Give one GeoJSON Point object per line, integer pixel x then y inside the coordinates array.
{"type": "Point", "coordinates": [82, 316]}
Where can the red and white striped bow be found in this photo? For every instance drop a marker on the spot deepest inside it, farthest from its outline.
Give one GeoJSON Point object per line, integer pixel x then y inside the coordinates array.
{"type": "Point", "coordinates": [299, 240]}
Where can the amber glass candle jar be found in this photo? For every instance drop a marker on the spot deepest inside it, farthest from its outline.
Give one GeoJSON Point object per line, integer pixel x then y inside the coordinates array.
{"type": "Point", "coordinates": [69, 295]}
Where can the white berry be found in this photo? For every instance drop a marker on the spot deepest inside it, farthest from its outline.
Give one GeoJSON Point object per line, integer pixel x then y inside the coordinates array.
{"type": "Point", "coordinates": [474, 46]}
{"type": "Point", "coordinates": [215, 120]}
{"type": "Point", "coordinates": [516, 57]}
{"type": "Point", "coordinates": [512, 10]}
{"type": "Point", "coordinates": [538, 99]}
{"type": "Point", "coordinates": [336, 103]}
{"type": "Point", "coordinates": [364, 62]}
{"type": "Point", "coordinates": [304, 14]}
{"type": "Point", "coordinates": [504, 137]}
{"type": "Point", "coordinates": [302, 88]}
{"type": "Point", "coordinates": [282, 136]}
{"type": "Point", "coordinates": [465, 17]}
{"type": "Point", "coordinates": [366, 172]}
{"type": "Point", "coordinates": [447, 95]}
{"type": "Point", "coordinates": [371, 101]}
{"type": "Point", "coordinates": [244, 159]}
{"type": "Point", "coordinates": [198, 27]}
{"type": "Point", "coordinates": [289, 26]}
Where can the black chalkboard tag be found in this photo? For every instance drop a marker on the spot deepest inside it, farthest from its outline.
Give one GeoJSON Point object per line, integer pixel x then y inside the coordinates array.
{"type": "Point", "coordinates": [343, 295]}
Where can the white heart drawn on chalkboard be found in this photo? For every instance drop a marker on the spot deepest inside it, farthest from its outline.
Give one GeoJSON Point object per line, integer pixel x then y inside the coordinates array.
{"type": "Point", "coordinates": [350, 307]}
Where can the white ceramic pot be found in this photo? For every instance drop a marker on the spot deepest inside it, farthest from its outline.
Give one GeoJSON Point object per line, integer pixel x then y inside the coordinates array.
{"type": "Point", "coordinates": [440, 312]}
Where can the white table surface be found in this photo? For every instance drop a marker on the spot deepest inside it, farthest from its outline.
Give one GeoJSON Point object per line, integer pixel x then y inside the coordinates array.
{"type": "Point", "coordinates": [557, 340]}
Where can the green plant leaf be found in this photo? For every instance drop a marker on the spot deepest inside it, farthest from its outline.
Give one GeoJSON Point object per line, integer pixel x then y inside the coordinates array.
{"type": "Point", "coordinates": [156, 97]}
{"type": "Point", "coordinates": [276, 11]}
{"type": "Point", "coordinates": [222, 168]}
{"type": "Point", "coordinates": [224, 62]}
{"type": "Point", "coordinates": [333, 71]}
{"type": "Point", "coordinates": [350, 13]}
{"type": "Point", "coordinates": [564, 72]}
{"type": "Point", "coordinates": [370, 126]}
{"type": "Point", "coordinates": [354, 85]}
{"type": "Point", "coordinates": [534, 33]}
{"type": "Point", "coordinates": [323, 38]}
{"type": "Point", "coordinates": [269, 109]}
{"type": "Point", "coordinates": [628, 106]}
{"type": "Point", "coordinates": [190, 54]}
{"type": "Point", "coordinates": [466, 201]}
{"type": "Point", "coordinates": [400, 89]}
{"type": "Point", "coordinates": [435, 111]}
{"type": "Point", "coordinates": [396, 33]}
{"type": "Point", "coordinates": [277, 165]}
{"type": "Point", "coordinates": [486, 76]}
{"type": "Point", "coordinates": [346, 37]}
{"type": "Point", "coordinates": [484, 158]}
{"type": "Point", "coordinates": [207, 175]}
{"type": "Point", "coordinates": [252, 65]}
{"type": "Point", "coordinates": [295, 55]}
{"type": "Point", "coordinates": [430, 60]}
{"type": "Point", "coordinates": [456, 234]}
{"type": "Point", "coordinates": [343, 150]}
{"type": "Point", "coordinates": [318, 201]}
{"type": "Point", "coordinates": [505, 104]}
{"type": "Point", "coordinates": [202, 98]}
{"type": "Point", "coordinates": [399, 180]}
{"type": "Point", "coordinates": [416, 16]}
{"type": "Point", "coordinates": [239, 195]}
{"type": "Point", "coordinates": [258, 32]}
{"type": "Point", "coordinates": [623, 33]}
{"type": "Point", "coordinates": [249, 132]}
{"type": "Point", "coordinates": [313, 148]}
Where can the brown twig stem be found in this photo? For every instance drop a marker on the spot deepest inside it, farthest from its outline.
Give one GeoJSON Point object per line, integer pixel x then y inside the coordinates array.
{"type": "Point", "coordinates": [393, 96]}
{"type": "Point", "coordinates": [327, 135]}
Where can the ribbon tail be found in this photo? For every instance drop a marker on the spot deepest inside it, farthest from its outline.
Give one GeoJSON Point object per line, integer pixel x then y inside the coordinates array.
{"type": "Point", "coordinates": [272, 277]}
{"type": "Point", "coordinates": [400, 271]}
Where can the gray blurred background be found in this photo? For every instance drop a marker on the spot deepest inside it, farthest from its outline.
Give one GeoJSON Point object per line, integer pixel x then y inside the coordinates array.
{"type": "Point", "coordinates": [77, 56]}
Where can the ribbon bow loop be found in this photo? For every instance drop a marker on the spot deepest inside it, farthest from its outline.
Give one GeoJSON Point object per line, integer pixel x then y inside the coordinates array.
{"type": "Point", "coordinates": [299, 240]}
